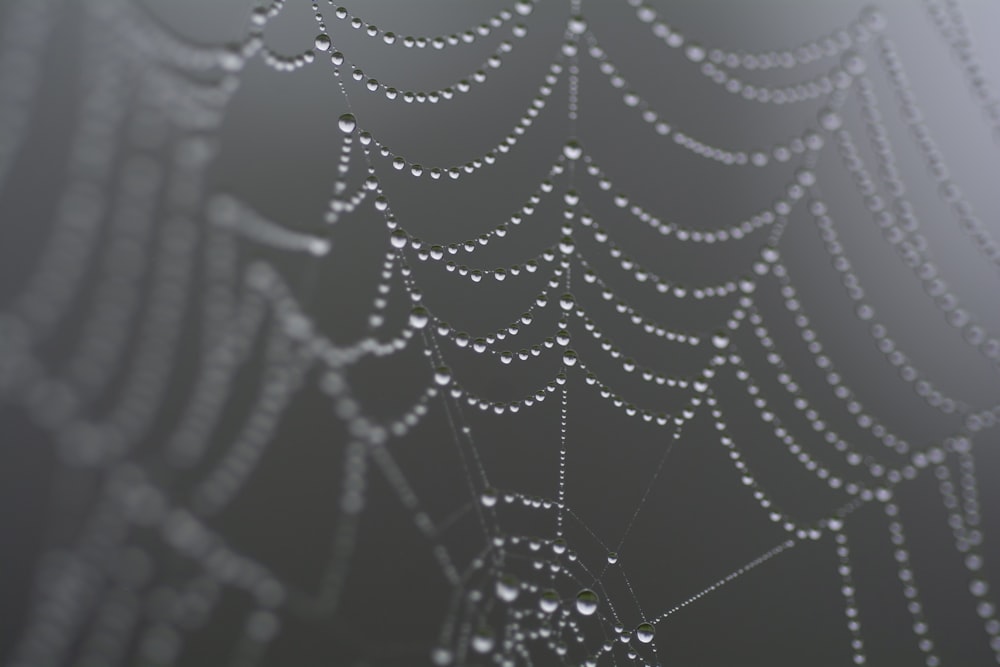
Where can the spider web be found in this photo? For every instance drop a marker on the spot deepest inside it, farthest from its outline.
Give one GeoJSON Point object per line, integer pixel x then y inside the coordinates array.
{"type": "Point", "coordinates": [595, 421]}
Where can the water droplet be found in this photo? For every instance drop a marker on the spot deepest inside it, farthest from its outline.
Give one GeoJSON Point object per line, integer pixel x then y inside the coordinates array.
{"type": "Point", "coordinates": [644, 633]}
{"type": "Point", "coordinates": [441, 657]}
{"type": "Point", "coordinates": [523, 7]}
{"type": "Point", "coordinates": [720, 340]}
{"type": "Point", "coordinates": [873, 18]}
{"type": "Point", "coordinates": [695, 52]}
{"type": "Point", "coordinates": [442, 375]}
{"type": "Point", "coordinates": [508, 588]}
{"type": "Point", "coordinates": [612, 557]}
{"type": "Point", "coordinates": [398, 238]}
{"type": "Point", "coordinates": [573, 150]}
{"type": "Point", "coordinates": [549, 601]}
{"type": "Point", "coordinates": [323, 42]}
{"type": "Point", "coordinates": [577, 25]}
{"type": "Point", "coordinates": [482, 641]}
{"type": "Point", "coordinates": [586, 602]}
{"type": "Point", "coordinates": [348, 123]}
{"type": "Point", "coordinates": [769, 254]}
{"type": "Point", "coordinates": [570, 357]}
{"type": "Point", "coordinates": [853, 63]}
{"type": "Point", "coordinates": [419, 317]}
{"type": "Point", "coordinates": [566, 301]}
{"type": "Point", "coordinates": [829, 119]}
{"type": "Point", "coordinates": [489, 497]}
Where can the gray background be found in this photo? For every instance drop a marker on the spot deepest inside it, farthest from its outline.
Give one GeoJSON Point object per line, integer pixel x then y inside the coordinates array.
{"type": "Point", "coordinates": [278, 153]}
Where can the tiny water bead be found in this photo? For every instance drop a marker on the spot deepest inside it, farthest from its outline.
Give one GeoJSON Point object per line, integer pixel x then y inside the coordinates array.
{"type": "Point", "coordinates": [399, 239]}
{"type": "Point", "coordinates": [645, 633]}
{"type": "Point", "coordinates": [483, 640]}
{"type": "Point", "coordinates": [323, 42]}
{"type": "Point", "coordinates": [348, 123]}
{"type": "Point", "coordinates": [524, 7]}
{"type": "Point", "coordinates": [573, 150]}
{"type": "Point", "coordinates": [829, 119]}
{"type": "Point", "coordinates": [508, 588]}
{"type": "Point", "coordinates": [586, 602]}
{"type": "Point", "coordinates": [720, 340]}
{"type": "Point", "coordinates": [442, 375]}
{"type": "Point", "coordinates": [442, 657]}
{"type": "Point", "coordinates": [548, 601]}
{"type": "Point", "coordinates": [419, 317]}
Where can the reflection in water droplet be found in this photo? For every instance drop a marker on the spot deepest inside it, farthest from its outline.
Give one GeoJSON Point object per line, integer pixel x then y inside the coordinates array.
{"type": "Point", "coordinates": [586, 602]}
{"type": "Point", "coordinates": [644, 633]}
{"type": "Point", "coordinates": [323, 43]}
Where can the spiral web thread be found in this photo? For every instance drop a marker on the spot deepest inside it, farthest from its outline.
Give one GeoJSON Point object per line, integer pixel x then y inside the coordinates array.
{"type": "Point", "coordinates": [151, 101]}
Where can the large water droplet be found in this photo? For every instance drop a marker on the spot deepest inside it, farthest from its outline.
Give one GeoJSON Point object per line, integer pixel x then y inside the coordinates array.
{"type": "Point", "coordinates": [586, 602]}
{"type": "Point", "coordinates": [644, 633]}
{"type": "Point", "coordinates": [348, 123]}
{"type": "Point", "coordinates": [323, 42]}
